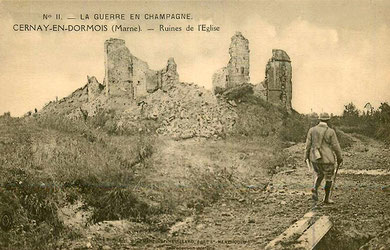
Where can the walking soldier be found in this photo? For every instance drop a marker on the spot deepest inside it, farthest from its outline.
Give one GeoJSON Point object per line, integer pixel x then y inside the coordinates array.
{"type": "Point", "coordinates": [321, 147]}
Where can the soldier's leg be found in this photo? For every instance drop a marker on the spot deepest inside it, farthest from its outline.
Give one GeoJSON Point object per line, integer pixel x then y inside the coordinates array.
{"type": "Point", "coordinates": [328, 170]}
{"type": "Point", "coordinates": [328, 186]}
{"type": "Point", "coordinates": [317, 182]}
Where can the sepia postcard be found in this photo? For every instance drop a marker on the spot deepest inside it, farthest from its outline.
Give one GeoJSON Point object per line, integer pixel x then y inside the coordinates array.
{"type": "Point", "coordinates": [195, 124]}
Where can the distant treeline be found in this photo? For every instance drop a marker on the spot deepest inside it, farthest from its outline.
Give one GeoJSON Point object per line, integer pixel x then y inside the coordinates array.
{"type": "Point", "coordinates": [370, 122]}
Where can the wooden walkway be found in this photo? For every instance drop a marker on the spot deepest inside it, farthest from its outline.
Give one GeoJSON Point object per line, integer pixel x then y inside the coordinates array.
{"type": "Point", "coordinates": [303, 234]}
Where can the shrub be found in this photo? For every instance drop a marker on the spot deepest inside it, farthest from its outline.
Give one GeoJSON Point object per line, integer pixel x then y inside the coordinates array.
{"type": "Point", "coordinates": [257, 118]}
{"type": "Point", "coordinates": [344, 139]}
{"type": "Point", "coordinates": [101, 118]}
{"type": "Point", "coordinates": [32, 210]}
{"type": "Point", "coordinates": [239, 93]}
{"type": "Point", "coordinates": [115, 204]}
{"type": "Point", "coordinates": [295, 128]}
{"type": "Point", "coordinates": [209, 186]}
{"type": "Point", "coordinates": [6, 115]}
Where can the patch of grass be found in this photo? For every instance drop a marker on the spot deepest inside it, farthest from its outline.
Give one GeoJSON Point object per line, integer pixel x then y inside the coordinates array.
{"type": "Point", "coordinates": [61, 123]}
{"type": "Point", "coordinates": [295, 127]}
{"type": "Point", "coordinates": [116, 204]}
{"type": "Point", "coordinates": [207, 187]}
{"type": "Point", "coordinates": [46, 163]}
{"type": "Point", "coordinates": [257, 118]}
{"type": "Point", "coordinates": [31, 206]}
{"type": "Point", "coordinates": [344, 139]}
{"type": "Point", "coordinates": [32, 209]}
{"type": "Point", "coordinates": [210, 186]}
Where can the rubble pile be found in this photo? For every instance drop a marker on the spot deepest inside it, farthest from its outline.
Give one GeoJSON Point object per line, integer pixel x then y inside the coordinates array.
{"type": "Point", "coordinates": [184, 111]}
{"type": "Point", "coordinates": [69, 106]}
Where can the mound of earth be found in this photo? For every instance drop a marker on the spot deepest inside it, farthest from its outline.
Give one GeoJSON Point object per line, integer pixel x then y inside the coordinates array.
{"type": "Point", "coordinates": [179, 110]}
{"type": "Point", "coordinates": [184, 111]}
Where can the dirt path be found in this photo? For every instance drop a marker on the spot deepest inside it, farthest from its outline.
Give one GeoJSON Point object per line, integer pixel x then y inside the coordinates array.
{"type": "Point", "coordinates": [361, 214]}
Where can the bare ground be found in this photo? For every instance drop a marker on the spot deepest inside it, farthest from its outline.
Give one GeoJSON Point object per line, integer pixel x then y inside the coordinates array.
{"type": "Point", "coordinates": [268, 202]}
{"type": "Point", "coordinates": [228, 194]}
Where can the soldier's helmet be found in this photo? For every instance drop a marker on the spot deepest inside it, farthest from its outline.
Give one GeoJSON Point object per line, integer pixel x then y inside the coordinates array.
{"type": "Point", "coordinates": [324, 117]}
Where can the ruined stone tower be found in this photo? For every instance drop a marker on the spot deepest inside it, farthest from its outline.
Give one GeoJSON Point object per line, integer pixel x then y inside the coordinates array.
{"type": "Point", "coordinates": [238, 67]}
{"type": "Point", "coordinates": [277, 86]}
{"type": "Point", "coordinates": [118, 67]}
{"type": "Point", "coordinates": [130, 78]}
{"type": "Point", "coordinates": [237, 70]}
{"type": "Point", "coordinates": [94, 88]}
{"type": "Point", "coordinates": [278, 74]}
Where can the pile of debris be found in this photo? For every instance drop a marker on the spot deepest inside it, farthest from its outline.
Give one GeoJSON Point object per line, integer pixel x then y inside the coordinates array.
{"type": "Point", "coordinates": [184, 111]}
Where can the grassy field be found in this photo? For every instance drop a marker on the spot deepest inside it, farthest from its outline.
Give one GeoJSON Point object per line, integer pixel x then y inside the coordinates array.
{"type": "Point", "coordinates": [42, 169]}
{"type": "Point", "coordinates": [47, 164]}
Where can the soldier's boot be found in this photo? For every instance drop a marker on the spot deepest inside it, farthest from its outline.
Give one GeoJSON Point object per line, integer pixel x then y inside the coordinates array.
{"type": "Point", "coordinates": [328, 186]}
{"type": "Point", "coordinates": [314, 190]}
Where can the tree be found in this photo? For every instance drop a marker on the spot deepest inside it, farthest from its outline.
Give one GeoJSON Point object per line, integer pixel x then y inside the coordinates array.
{"type": "Point", "coordinates": [350, 110]}
{"type": "Point", "coordinates": [384, 112]}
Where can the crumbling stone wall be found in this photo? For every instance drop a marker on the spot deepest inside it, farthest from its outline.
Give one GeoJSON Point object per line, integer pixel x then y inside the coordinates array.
{"type": "Point", "coordinates": [237, 70]}
{"type": "Point", "coordinates": [142, 77]}
{"type": "Point", "coordinates": [118, 69]}
{"type": "Point", "coordinates": [238, 66]}
{"type": "Point", "coordinates": [220, 80]}
{"type": "Point", "coordinates": [260, 91]}
{"type": "Point", "coordinates": [94, 88]}
{"type": "Point", "coordinates": [277, 81]}
{"type": "Point", "coordinates": [169, 74]}
{"type": "Point", "coordinates": [128, 77]}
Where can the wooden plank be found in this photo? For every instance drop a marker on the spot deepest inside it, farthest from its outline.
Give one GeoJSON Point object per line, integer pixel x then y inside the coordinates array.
{"type": "Point", "coordinates": [297, 228]}
{"type": "Point", "coordinates": [315, 233]}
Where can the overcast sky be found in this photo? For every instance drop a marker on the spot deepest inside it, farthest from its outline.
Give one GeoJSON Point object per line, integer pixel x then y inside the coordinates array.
{"type": "Point", "coordinates": [339, 49]}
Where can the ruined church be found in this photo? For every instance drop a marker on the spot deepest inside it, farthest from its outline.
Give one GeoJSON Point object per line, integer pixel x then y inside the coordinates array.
{"type": "Point", "coordinates": [184, 110]}
{"type": "Point", "coordinates": [128, 80]}
{"type": "Point", "coordinates": [277, 86]}
{"type": "Point", "coordinates": [127, 76]}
